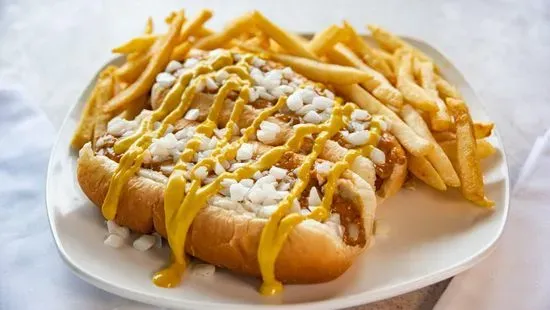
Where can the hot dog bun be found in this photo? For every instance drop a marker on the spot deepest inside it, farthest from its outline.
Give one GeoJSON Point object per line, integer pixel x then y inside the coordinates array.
{"type": "Point", "coordinates": [313, 252]}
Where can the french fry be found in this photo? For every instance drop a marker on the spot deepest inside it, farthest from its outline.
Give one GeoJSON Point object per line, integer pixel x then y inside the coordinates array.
{"type": "Point", "coordinates": [105, 93]}
{"type": "Point", "coordinates": [325, 39]}
{"type": "Point", "coordinates": [377, 84]}
{"type": "Point", "coordinates": [421, 168]}
{"type": "Point", "coordinates": [180, 51]}
{"type": "Point", "coordinates": [136, 45]}
{"type": "Point", "coordinates": [170, 18]}
{"type": "Point", "coordinates": [322, 72]}
{"type": "Point", "coordinates": [85, 128]}
{"type": "Point", "coordinates": [203, 32]}
{"type": "Point", "coordinates": [275, 47]}
{"type": "Point", "coordinates": [391, 42]}
{"type": "Point", "coordinates": [436, 156]}
{"type": "Point", "coordinates": [387, 57]}
{"type": "Point", "coordinates": [194, 25]}
{"type": "Point", "coordinates": [469, 170]}
{"type": "Point", "coordinates": [218, 39]}
{"type": "Point", "coordinates": [256, 38]}
{"type": "Point", "coordinates": [158, 62]}
{"type": "Point", "coordinates": [290, 42]}
{"type": "Point", "coordinates": [149, 26]}
{"type": "Point", "coordinates": [483, 129]}
{"type": "Point", "coordinates": [445, 89]}
{"type": "Point", "coordinates": [132, 69]}
{"type": "Point", "coordinates": [443, 136]}
{"type": "Point", "coordinates": [410, 140]}
{"type": "Point", "coordinates": [484, 149]}
{"type": "Point", "coordinates": [405, 83]}
{"type": "Point", "coordinates": [119, 85]}
{"type": "Point", "coordinates": [360, 47]}
{"type": "Point", "coordinates": [439, 120]}
{"type": "Point", "coordinates": [263, 40]}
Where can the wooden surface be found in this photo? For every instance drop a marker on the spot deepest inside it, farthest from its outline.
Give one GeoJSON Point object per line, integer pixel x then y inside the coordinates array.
{"type": "Point", "coordinates": [50, 50]}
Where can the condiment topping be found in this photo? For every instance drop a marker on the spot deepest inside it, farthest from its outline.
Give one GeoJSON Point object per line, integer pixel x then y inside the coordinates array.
{"type": "Point", "coordinates": [240, 78]}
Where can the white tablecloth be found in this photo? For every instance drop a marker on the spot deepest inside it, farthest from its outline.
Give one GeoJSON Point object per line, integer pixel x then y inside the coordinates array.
{"type": "Point", "coordinates": [32, 275]}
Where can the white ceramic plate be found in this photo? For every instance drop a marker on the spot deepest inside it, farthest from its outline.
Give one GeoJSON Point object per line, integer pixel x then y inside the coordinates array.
{"type": "Point", "coordinates": [432, 236]}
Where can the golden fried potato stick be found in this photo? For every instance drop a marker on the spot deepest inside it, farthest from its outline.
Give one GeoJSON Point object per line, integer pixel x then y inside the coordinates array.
{"type": "Point", "coordinates": [327, 38]}
{"type": "Point", "coordinates": [170, 18]}
{"type": "Point", "coordinates": [445, 89]}
{"type": "Point", "coordinates": [436, 156]}
{"type": "Point", "coordinates": [264, 40]}
{"type": "Point", "coordinates": [421, 168]}
{"type": "Point", "coordinates": [360, 47]}
{"type": "Point", "coordinates": [384, 55]}
{"type": "Point", "coordinates": [132, 69]}
{"type": "Point", "coordinates": [405, 83]}
{"type": "Point", "coordinates": [133, 56]}
{"type": "Point", "coordinates": [192, 26]}
{"type": "Point", "coordinates": [391, 42]}
{"type": "Point", "coordinates": [105, 93]}
{"type": "Point", "coordinates": [439, 120]}
{"type": "Point", "coordinates": [118, 85]}
{"type": "Point", "coordinates": [275, 47]}
{"type": "Point", "coordinates": [484, 149]}
{"type": "Point", "coordinates": [377, 84]}
{"type": "Point", "coordinates": [290, 42]}
{"type": "Point", "coordinates": [136, 45]}
{"type": "Point", "coordinates": [231, 31]}
{"type": "Point", "coordinates": [180, 51]}
{"type": "Point", "coordinates": [158, 62]}
{"type": "Point", "coordinates": [483, 129]}
{"type": "Point", "coordinates": [443, 136]}
{"type": "Point", "coordinates": [410, 140]}
{"type": "Point", "coordinates": [85, 128]}
{"type": "Point", "coordinates": [149, 26]}
{"type": "Point", "coordinates": [203, 32]}
{"type": "Point", "coordinates": [322, 72]}
{"type": "Point", "coordinates": [135, 108]}
{"type": "Point", "coordinates": [467, 161]}
{"type": "Point", "coordinates": [258, 42]}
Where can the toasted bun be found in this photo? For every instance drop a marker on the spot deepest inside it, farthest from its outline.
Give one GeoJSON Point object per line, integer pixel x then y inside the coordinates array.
{"type": "Point", "coordinates": [312, 253]}
{"type": "Point", "coordinates": [395, 181]}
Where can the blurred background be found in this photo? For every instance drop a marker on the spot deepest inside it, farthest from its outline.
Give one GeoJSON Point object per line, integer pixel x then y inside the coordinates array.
{"type": "Point", "coordinates": [51, 49]}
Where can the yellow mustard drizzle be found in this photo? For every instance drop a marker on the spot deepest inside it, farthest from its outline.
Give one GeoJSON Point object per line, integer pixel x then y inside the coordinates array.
{"type": "Point", "coordinates": [178, 212]}
{"type": "Point", "coordinates": [188, 207]}
{"type": "Point", "coordinates": [134, 145]}
{"type": "Point", "coordinates": [273, 236]}
{"type": "Point", "coordinates": [181, 208]}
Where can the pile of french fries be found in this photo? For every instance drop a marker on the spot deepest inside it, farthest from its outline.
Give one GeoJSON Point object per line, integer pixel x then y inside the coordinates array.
{"type": "Point", "coordinates": [394, 79]}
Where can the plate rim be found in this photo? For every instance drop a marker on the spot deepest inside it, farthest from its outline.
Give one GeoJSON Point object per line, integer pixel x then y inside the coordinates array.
{"type": "Point", "coordinates": [361, 298]}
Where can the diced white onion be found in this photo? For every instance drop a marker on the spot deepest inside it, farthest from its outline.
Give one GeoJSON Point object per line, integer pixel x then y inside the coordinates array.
{"type": "Point", "coordinates": [114, 241]}
{"type": "Point", "coordinates": [378, 157]}
{"type": "Point", "coordinates": [313, 199]}
{"type": "Point", "coordinates": [114, 228]}
{"type": "Point", "coordinates": [144, 242]}
{"type": "Point", "coordinates": [192, 115]}
{"type": "Point", "coordinates": [172, 66]}
{"type": "Point", "coordinates": [245, 152]}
